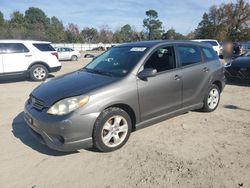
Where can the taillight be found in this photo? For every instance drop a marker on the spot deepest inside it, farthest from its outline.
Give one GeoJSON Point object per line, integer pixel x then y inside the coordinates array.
{"type": "Point", "coordinates": [55, 54]}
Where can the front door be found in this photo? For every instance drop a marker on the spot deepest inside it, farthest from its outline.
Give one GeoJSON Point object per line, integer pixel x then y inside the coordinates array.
{"type": "Point", "coordinates": [163, 93]}
{"type": "Point", "coordinates": [64, 54]}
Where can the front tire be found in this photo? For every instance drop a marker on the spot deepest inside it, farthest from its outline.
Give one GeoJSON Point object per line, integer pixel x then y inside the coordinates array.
{"type": "Point", "coordinates": [212, 99]}
{"type": "Point", "coordinates": [74, 58]}
{"type": "Point", "coordinates": [38, 73]}
{"type": "Point", "coordinates": [112, 129]}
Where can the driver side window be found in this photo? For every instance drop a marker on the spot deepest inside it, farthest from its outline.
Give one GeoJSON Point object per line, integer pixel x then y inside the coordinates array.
{"type": "Point", "coordinates": [162, 59]}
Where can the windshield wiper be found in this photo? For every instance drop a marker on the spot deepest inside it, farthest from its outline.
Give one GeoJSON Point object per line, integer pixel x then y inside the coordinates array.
{"type": "Point", "coordinates": [99, 72]}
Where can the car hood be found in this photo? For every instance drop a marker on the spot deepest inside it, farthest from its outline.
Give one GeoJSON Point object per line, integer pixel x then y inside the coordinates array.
{"type": "Point", "coordinates": [72, 84]}
{"type": "Point", "coordinates": [241, 62]}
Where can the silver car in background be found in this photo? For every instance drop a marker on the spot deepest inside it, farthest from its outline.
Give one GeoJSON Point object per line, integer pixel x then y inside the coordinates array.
{"type": "Point", "coordinates": [65, 53]}
{"type": "Point", "coordinates": [128, 87]}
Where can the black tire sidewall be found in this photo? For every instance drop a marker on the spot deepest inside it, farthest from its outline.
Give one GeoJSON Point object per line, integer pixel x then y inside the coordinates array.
{"type": "Point", "coordinates": [206, 108]}
{"type": "Point", "coordinates": [74, 58]}
{"type": "Point", "coordinates": [31, 73]}
{"type": "Point", "coordinates": [103, 117]}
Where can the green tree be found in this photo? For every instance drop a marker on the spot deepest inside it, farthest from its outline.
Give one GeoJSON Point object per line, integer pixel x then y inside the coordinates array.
{"type": "Point", "coordinates": [153, 25]}
{"type": "Point", "coordinates": [124, 34]}
{"type": "Point", "coordinates": [55, 31]}
{"type": "Point", "coordinates": [37, 23]}
{"type": "Point", "coordinates": [205, 28]}
{"type": "Point", "coordinates": [3, 27]}
{"type": "Point", "coordinates": [17, 26]}
{"type": "Point", "coordinates": [89, 34]}
{"type": "Point", "coordinates": [139, 36]}
{"type": "Point", "coordinates": [1, 19]}
{"type": "Point", "coordinates": [171, 34]}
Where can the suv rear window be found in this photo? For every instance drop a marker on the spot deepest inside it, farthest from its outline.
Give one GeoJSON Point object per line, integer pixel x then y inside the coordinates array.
{"type": "Point", "coordinates": [44, 47]}
{"type": "Point", "coordinates": [209, 54]}
{"type": "Point", "coordinates": [7, 48]}
{"type": "Point", "coordinates": [213, 43]}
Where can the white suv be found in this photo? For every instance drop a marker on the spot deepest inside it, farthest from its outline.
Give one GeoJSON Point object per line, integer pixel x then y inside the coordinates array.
{"type": "Point", "coordinates": [215, 44]}
{"type": "Point", "coordinates": [68, 53]}
{"type": "Point", "coordinates": [28, 58]}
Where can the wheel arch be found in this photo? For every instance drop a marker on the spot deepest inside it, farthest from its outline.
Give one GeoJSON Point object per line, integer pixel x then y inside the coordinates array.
{"type": "Point", "coordinates": [127, 109]}
{"type": "Point", "coordinates": [39, 63]}
{"type": "Point", "coordinates": [219, 84]}
{"type": "Point", "coordinates": [74, 55]}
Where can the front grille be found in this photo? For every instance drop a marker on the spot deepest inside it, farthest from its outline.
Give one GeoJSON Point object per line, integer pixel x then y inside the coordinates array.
{"type": "Point", "coordinates": [36, 103]}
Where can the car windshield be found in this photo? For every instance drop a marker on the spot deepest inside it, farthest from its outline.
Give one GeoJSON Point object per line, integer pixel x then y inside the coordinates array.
{"type": "Point", "coordinates": [213, 43]}
{"type": "Point", "coordinates": [117, 61]}
{"type": "Point", "coordinates": [247, 54]}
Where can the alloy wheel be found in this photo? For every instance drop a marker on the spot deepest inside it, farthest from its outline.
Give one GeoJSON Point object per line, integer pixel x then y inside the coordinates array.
{"type": "Point", "coordinates": [213, 98]}
{"type": "Point", "coordinates": [114, 131]}
{"type": "Point", "coordinates": [39, 73]}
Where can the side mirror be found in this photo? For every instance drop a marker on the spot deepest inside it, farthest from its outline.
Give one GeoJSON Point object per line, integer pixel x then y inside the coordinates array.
{"type": "Point", "coordinates": [221, 57]}
{"type": "Point", "coordinates": [147, 73]}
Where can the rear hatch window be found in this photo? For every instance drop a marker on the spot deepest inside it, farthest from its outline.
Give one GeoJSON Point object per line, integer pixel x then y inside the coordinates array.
{"type": "Point", "coordinates": [44, 47]}
{"type": "Point", "coordinates": [213, 43]}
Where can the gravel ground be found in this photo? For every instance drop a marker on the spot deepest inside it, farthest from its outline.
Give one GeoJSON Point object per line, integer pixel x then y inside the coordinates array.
{"type": "Point", "coordinates": [192, 150]}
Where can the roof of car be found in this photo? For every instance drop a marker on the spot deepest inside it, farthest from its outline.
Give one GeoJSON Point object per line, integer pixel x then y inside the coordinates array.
{"type": "Point", "coordinates": [153, 43]}
{"type": "Point", "coordinates": [204, 40]}
{"type": "Point", "coordinates": [62, 47]}
{"type": "Point", "coordinates": [22, 41]}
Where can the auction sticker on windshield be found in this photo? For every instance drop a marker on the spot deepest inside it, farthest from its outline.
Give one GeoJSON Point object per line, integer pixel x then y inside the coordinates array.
{"type": "Point", "coordinates": [138, 49]}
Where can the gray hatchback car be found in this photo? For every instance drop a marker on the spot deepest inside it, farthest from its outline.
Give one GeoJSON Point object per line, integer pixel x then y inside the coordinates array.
{"type": "Point", "coordinates": [129, 87]}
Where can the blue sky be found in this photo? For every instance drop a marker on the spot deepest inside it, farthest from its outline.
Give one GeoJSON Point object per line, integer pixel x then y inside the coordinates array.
{"type": "Point", "coordinates": [183, 15]}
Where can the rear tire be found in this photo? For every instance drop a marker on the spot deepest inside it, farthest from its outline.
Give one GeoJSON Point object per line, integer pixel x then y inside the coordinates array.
{"type": "Point", "coordinates": [112, 129]}
{"type": "Point", "coordinates": [212, 99]}
{"type": "Point", "coordinates": [38, 73]}
{"type": "Point", "coordinates": [74, 58]}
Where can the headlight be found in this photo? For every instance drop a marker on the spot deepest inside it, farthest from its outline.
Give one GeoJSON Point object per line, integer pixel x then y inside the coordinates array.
{"type": "Point", "coordinates": [68, 105]}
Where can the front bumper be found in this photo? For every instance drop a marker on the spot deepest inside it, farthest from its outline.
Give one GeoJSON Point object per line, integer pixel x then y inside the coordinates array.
{"type": "Point", "coordinates": [62, 133]}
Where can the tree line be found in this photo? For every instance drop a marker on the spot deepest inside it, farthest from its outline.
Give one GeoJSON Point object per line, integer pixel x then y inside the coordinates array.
{"type": "Point", "coordinates": [229, 21]}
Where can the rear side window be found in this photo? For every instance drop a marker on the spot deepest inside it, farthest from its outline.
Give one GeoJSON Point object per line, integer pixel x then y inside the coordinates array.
{"type": "Point", "coordinates": [67, 49]}
{"type": "Point", "coordinates": [7, 48]}
{"type": "Point", "coordinates": [43, 47]}
{"type": "Point", "coordinates": [209, 54]}
{"type": "Point", "coordinates": [189, 54]}
{"type": "Point", "coordinates": [213, 43]}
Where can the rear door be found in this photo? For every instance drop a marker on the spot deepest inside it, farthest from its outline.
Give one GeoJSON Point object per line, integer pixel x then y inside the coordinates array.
{"type": "Point", "coordinates": [195, 74]}
{"type": "Point", "coordinates": [16, 57]}
{"type": "Point", "coordinates": [160, 94]}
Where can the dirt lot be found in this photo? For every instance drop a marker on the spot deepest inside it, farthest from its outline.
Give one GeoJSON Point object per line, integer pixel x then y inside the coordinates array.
{"type": "Point", "coordinates": [192, 150]}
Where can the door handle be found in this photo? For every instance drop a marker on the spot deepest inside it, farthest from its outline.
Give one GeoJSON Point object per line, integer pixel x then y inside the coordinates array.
{"type": "Point", "coordinates": [177, 77]}
{"type": "Point", "coordinates": [205, 69]}
{"type": "Point", "coordinates": [28, 55]}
